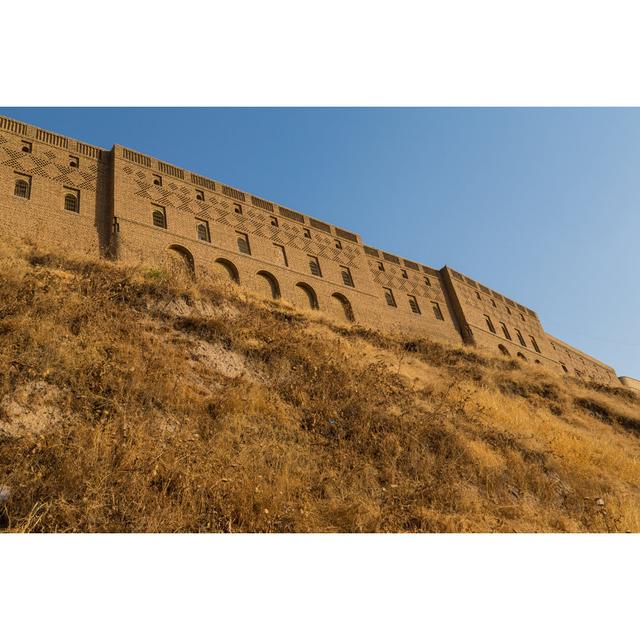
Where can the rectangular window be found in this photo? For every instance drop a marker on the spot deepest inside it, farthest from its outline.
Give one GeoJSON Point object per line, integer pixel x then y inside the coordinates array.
{"type": "Point", "coordinates": [243, 243]}
{"type": "Point", "coordinates": [281, 255]}
{"type": "Point", "coordinates": [22, 186]}
{"type": "Point", "coordinates": [413, 303]}
{"type": "Point", "coordinates": [202, 228]}
{"type": "Point", "coordinates": [380, 266]}
{"type": "Point", "coordinates": [404, 274]}
{"type": "Point", "coordinates": [346, 276]}
{"type": "Point", "coordinates": [507, 335]}
{"type": "Point", "coordinates": [520, 338]}
{"type": "Point", "coordinates": [274, 221]}
{"type": "Point", "coordinates": [314, 266]}
{"type": "Point", "coordinates": [522, 318]}
{"type": "Point", "coordinates": [27, 147]}
{"type": "Point", "coordinates": [437, 312]}
{"type": "Point", "coordinates": [74, 161]}
{"type": "Point", "coordinates": [307, 233]}
{"type": "Point", "coordinates": [388, 296]}
{"type": "Point", "coordinates": [157, 180]}
{"type": "Point", "coordinates": [535, 344]}
{"type": "Point", "coordinates": [493, 302]}
{"type": "Point", "coordinates": [71, 200]}
{"type": "Point", "coordinates": [159, 216]}
{"type": "Point", "coordinates": [427, 281]}
{"type": "Point", "coordinates": [200, 195]}
{"type": "Point", "coordinates": [338, 244]}
{"type": "Point", "coordinates": [508, 310]}
{"type": "Point", "coordinates": [490, 324]}
{"type": "Point", "coordinates": [478, 295]}
{"type": "Point", "coordinates": [237, 208]}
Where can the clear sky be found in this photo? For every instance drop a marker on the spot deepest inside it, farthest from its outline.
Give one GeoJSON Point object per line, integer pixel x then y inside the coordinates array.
{"type": "Point", "coordinates": [542, 205]}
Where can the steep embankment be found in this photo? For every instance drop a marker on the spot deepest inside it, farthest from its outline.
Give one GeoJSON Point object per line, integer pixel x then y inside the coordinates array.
{"type": "Point", "coordinates": [135, 400]}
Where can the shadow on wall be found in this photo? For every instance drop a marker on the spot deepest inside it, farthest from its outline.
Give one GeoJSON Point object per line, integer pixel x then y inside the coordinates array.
{"type": "Point", "coordinates": [103, 215]}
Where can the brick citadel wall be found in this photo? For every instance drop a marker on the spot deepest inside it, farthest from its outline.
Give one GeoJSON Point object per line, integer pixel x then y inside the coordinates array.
{"type": "Point", "coordinates": [126, 205]}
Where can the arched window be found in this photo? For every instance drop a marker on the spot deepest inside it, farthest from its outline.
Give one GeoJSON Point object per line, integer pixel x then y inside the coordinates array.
{"type": "Point", "coordinates": [268, 285]}
{"type": "Point", "coordinates": [186, 258]}
{"type": "Point", "coordinates": [159, 219]}
{"type": "Point", "coordinates": [342, 306]}
{"type": "Point", "coordinates": [21, 189]}
{"type": "Point", "coordinates": [71, 202]}
{"type": "Point", "coordinates": [504, 350]}
{"type": "Point", "coordinates": [227, 269]}
{"type": "Point", "coordinates": [306, 296]}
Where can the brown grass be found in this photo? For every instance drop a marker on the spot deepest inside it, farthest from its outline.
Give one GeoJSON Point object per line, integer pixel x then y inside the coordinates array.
{"type": "Point", "coordinates": [132, 399]}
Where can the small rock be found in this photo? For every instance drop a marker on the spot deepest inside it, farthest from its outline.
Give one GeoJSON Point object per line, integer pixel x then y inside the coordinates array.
{"type": "Point", "coordinates": [5, 493]}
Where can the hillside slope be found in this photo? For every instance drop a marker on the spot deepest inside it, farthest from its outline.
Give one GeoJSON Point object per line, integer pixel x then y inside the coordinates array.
{"type": "Point", "coordinates": [132, 399]}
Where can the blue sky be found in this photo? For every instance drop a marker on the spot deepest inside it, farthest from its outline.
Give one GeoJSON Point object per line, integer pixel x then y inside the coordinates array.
{"type": "Point", "coordinates": [541, 205]}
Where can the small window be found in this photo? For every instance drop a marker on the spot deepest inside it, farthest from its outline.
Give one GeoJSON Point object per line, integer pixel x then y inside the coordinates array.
{"type": "Point", "coordinates": [508, 310]}
{"type": "Point", "coordinates": [157, 180]}
{"type": "Point", "coordinates": [314, 266]}
{"type": "Point", "coordinates": [413, 303]}
{"type": "Point", "coordinates": [404, 274]}
{"type": "Point", "coordinates": [507, 335]}
{"type": "Point", "coordinates": [437, 312]}
{"type": "Point", "coordinates": [478, 295]}
{"type": "Point", "coordinates": [346, 276]}
{"type": "Point", "coordinates": [338, 244]}
{"type": "Point", "coordinates": [388, 296]}
{"type": "Point", "coordinates": [200, 195]}
{"type": "Point", "coordinates": [281, 255]}
{"type": "Point", "coordinates": [274, 222]}
{"type": "Point", "coordinates": [72, 200]}
{"type": "Point", "coordinates": [116, 225]}
{"type": "Point", "coordinates": [237, 208]}
{"type": "Point", "coordinates": [520, 338]}
{"type": "Point", "coordinates": [202, 229]}
{"type": "Point", "coordinates": [490, 324]}
{"type": "Point", "coordinates": [22, 187]}
{"type": "Point", "coordinates": [493, 302]}
{"type": "Point", "coordinates": [535, 345]}
{"type": "Point", "coordinates": [27, 147]}
{"type": "Point", "coordinates": [522, 318]}
{"type": "Point", "coordinates": [427, 281]}
{"type": "Point", "coordinates": [74, 162]}
{"type": "Point", "coordinates": [243, 243]}
{"type": "Point", "coordinates": [307, 233]}
{"type": "Point", "coordinates": [380, 266]}
{"type": "Point", "coordinates": [159, 218]}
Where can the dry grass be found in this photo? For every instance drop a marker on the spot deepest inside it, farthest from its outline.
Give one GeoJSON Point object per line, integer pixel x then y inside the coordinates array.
{"type": "Point", "coordinates": [132, 399]}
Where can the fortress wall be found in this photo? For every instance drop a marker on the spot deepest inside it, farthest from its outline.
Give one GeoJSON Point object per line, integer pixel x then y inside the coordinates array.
{"type": "Point", "coordinates": [405, 278]}
{"type": "Point", "coordinates": [631, 383]}
{"type": "Point", "coordinates": [580, 364]}
{"type": "Point", "coordinates": [119, 191]}
{"type": "Point", "coordinates": [44, 160]}
{"type": "Point", "coordinates": [229, 212]}
{"type": "Point", "coordinates": [479, 303]}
